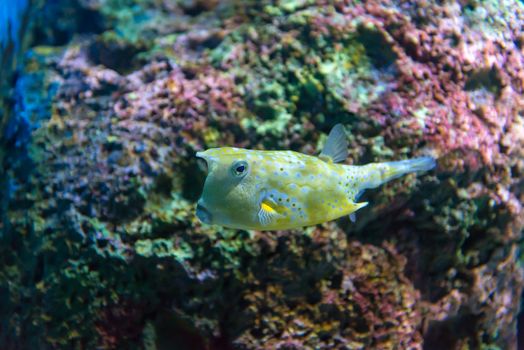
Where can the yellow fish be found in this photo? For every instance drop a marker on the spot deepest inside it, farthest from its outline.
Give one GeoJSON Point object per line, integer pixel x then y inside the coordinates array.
{"type": "Point", "coordinates": [279, 190]}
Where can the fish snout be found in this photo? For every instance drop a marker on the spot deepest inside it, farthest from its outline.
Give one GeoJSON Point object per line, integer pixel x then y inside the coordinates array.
{"type": "Point", "coordinates": [203, 214]}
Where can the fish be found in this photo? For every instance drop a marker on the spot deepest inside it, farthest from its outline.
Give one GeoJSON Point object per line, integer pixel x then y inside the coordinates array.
{"type": "Point", "coordinates": [268, 190]}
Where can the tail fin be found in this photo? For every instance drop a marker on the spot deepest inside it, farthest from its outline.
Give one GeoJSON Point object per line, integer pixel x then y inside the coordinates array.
{"type": "Point", "coordinates": [413, 165]}
{"type": "Point", "coordinates": [376, 174]}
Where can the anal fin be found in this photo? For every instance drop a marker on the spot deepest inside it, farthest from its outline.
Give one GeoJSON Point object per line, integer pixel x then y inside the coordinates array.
{"type": "Point", "coordinates": [357, 206]}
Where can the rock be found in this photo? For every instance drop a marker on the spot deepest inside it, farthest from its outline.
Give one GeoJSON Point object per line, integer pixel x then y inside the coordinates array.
{"type": "Point", "coordinates": [99, 243]}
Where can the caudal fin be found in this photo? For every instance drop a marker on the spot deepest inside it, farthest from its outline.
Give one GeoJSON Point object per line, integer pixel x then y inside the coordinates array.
{"type": "Point", "coordinates": [376, 174]}
{"type": "Point", "coordinates": [413, 165]}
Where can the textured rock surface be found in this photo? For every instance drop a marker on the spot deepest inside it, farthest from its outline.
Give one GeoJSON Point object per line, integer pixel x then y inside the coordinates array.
{"type": "Point", "coordinates": [99, 243]}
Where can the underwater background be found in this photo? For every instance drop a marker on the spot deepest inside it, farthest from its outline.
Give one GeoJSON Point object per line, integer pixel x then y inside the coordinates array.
{"type": "Point", "coordinates": [105, 102]}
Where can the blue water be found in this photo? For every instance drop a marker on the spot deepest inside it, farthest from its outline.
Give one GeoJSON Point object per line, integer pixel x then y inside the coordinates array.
{"type": "Point", "coordinates": [11, 13]}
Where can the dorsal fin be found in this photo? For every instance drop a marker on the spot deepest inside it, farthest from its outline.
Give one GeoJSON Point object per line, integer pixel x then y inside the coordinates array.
{"type": "Point", "coordinates": [336, 147]}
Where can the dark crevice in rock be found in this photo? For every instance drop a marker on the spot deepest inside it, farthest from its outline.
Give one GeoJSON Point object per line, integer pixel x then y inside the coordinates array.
{"type": "Point", "coordinates": [197, 7]}
{"type": "Point", "coordinates": [377, 48]}
{"type": "Point", "coordinates": [125, 204]}
{"type": "Point", "coordinates": [163, 184]}
{"type": "Point", "coordinates": [207, 40]}
{"type": "Point", "coordinates": [71, 18]}
{"type": "Point", "coordinates": [119, 56]}
{"type": "Point", "coordinates": [170, 330]}
{"type": "Point", "coordinates": [193, 180]}
{"type": "Point", "coordinates": [487, 78]}
{"type": "Point", "coordinates": [448, 333]}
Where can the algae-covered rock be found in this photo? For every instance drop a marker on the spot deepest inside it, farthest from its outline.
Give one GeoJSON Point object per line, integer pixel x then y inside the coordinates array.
{"type": "Point", "coordinates": [99, 245]}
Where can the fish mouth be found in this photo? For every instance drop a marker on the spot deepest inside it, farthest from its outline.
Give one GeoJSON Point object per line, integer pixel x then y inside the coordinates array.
{"type": "Point", "coordinates": [203, 214]}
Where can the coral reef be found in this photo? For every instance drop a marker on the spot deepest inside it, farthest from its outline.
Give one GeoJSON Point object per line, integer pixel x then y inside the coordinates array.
{"type": "Point", "coordinates": [99, 245]}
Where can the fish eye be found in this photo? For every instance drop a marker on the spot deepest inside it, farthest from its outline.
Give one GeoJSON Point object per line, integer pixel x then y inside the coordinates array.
{"type": "Point", "coordinates": [239, 168]}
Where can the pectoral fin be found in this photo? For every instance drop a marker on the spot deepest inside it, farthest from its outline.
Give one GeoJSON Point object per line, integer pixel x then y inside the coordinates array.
{"type": "Point", "coordinates": [267, 213]}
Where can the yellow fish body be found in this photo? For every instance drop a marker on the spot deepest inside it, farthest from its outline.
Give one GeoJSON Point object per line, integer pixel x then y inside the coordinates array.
{"type": "Point", "coordinates": [278, 190]}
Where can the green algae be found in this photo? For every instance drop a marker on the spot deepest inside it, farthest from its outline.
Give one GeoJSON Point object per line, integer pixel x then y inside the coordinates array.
{"type": "Point", "coordinates": [162, 248]}
{"type": "Point", "coordinates": [379, 148]}
{"type": "Point", "coordinates": [314, 78]}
